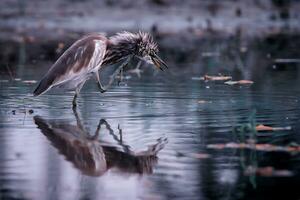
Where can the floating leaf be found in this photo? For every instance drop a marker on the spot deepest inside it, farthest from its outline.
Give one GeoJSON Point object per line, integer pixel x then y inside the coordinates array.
{"type": "Point", "coordinates": [262, 127]}
{"type": "Point", "coordinates": [253, 146]}
{"type": "Point", "coordinates": [216, 78]}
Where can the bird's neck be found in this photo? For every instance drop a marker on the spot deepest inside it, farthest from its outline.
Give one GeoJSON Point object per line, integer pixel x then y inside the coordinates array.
{"type": "Point", "coordinates": [120, 47]}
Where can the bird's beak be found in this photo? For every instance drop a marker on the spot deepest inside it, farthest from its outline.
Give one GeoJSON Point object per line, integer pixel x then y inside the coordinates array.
{"type": "Point", "coordinates": [158, 62]}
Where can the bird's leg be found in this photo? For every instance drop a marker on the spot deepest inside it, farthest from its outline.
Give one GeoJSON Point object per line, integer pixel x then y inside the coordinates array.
{"type": "Point", "coordinates": [77, 90]}
{"type": "Point", "coordinates": [112, 77]}
{"type": "Point", "coordinates": [118, 71]}
{"type": "Point", "coordinates": [100, 86]}
{"type": "Point", "coordinates": [74, 101]}
{"type": "Point", "coordinates": [137, 70]}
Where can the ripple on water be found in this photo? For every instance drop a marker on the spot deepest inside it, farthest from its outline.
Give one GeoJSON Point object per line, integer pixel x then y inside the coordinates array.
{"type": "Point", "coordinates": [189, 117]}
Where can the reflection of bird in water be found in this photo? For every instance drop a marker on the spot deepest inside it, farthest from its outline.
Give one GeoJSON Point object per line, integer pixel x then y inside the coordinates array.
{"type": "Point", "coordinates": [90, 155]}
{"type": "Point", "coordinates": [90, 53]}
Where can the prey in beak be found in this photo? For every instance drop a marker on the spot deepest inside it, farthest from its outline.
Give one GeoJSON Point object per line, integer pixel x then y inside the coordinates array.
{"type": "Point", "coordinates": [158, 62]}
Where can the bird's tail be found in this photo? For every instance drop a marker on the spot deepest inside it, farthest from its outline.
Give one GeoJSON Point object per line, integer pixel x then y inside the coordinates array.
{"type": "Point", "coordinates": [43, 86]}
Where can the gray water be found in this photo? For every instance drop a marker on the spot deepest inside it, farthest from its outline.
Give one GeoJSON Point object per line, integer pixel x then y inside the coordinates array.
{"type": "Point", "coordinates": [153, 139]}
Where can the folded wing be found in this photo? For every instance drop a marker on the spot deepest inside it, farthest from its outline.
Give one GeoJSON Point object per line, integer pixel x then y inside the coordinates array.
{"type": "Point", "coordinates": [83, 57]}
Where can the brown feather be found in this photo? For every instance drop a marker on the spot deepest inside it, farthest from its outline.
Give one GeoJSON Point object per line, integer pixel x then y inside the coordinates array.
{"type": "Point", "coordinates": [74, 61]}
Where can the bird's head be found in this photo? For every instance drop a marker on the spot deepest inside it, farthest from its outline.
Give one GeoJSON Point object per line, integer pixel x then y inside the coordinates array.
{"type": "Point", "coordinates": [138, 44]}
{"type": "Point", "coordinates": [147, 50]}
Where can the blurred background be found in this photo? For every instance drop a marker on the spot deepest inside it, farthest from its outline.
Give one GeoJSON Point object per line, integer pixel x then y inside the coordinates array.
{"type": "Point", "coordinates": [184, 133]}
{"type": "Point", "coordinates": [198, 36]}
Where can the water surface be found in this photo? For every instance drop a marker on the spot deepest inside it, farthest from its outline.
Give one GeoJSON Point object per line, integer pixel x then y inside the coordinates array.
{"type": "Point", "coordinates": [147, 139]}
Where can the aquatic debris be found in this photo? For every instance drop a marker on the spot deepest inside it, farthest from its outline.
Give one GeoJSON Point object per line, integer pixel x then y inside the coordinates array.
{"type": "Point", "coordinates": [259, 147]}
{"type": "Point", "coordinates": [212, 78]}
{"type": "Point", "coordinates": [216, 78]}
{"type": "Point", "coordinates": [17, 79]}
{"type": "Point", "coordinates": [240, 82]}
{"type": "Point", "coordinates": [262, 127]}
{"type": "Point", "coordinates": [24, 111]}
{"type": "Point", "coordinates": [267, 172]}
{"type": "Point", "coordinates": [29, 81]}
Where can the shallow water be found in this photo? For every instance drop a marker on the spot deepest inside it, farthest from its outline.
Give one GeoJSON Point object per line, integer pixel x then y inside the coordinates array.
{"type": "Point", "coordinates": [161, 152]}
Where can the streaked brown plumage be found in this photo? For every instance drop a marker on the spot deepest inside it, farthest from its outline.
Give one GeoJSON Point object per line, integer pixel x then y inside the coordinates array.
{"type": "Point", "coordinates": [87, 55]}
{"type": "Point", "coordinates": [92, 156]}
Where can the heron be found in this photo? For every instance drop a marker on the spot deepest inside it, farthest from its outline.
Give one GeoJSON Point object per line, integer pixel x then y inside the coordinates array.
{"type": "Point", "coordinates": [83, 60]}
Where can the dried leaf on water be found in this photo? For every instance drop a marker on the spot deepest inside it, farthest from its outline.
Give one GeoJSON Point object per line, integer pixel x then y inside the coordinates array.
{"type": "Point", "coordinates": [253, 146]}
{"type": "Point", "coordinates": [267, 172]}
{"type": "Point", "coordinates": [262, 127]}
{"type": "Point", "coordinates": [240, 82]}
{"type": "Point", "coordinates": [216, 78]}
